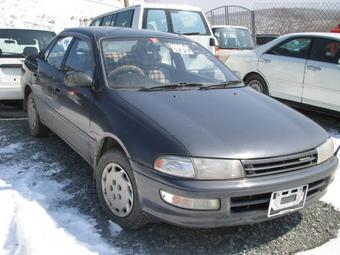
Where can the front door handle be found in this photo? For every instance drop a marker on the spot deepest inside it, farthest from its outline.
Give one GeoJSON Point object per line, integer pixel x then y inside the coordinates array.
{"type": "Point", "coordinates": [314, 68]}
{"type": "Point", "coordinates": [265, 60]}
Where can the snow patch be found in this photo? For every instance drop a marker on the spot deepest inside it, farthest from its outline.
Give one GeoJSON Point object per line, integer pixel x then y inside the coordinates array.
{"type": "Point", "coordinates": [31, 222]}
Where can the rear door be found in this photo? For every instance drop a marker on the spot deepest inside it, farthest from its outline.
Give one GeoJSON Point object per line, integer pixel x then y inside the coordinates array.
{"type": "Point", "coordinates": [49, 78]}
{"type": "Point", "coordinates": [322, 77]}
{"type": "Point", "coordinates": [284, 67]}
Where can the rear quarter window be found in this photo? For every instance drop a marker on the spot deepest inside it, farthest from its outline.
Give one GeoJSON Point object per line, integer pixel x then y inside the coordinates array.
{"type": "Point", "coordinates": [124, 19]}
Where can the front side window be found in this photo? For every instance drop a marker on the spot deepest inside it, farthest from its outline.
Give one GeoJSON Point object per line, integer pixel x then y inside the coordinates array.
{"type": "Point", "coordinates": [188, 22]}
{"type": "Point", "coordinates": [57, 53]}
{"type": "Point", "coordinates": [233, 38]}
{"type": "Point", "coordinates": [21, 42]}
{"type": "Point", "coordinates": [124, 19]}
{"type": "Point", "coordinates": [148, 62]}
{"type": "Point", "coordinates": [156, 20]}
{"type": "Point", "coordinates": [296, 48]}
{"type": "Point", "coordinates": [80, 58]}
{"type": "Point", "coordinates": [325, 50]}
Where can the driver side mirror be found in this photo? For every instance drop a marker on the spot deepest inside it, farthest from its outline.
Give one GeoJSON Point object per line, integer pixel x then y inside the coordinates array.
{"type": "Point", "coordinates": [78, 79]}
{"type": "Point", "coordinates": [339, 61]}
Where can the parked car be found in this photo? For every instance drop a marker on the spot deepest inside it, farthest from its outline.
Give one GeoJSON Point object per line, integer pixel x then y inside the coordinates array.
{"type": "Point", "coordinates": [232, 39]}
{"type": "Point", "coordinates": [302, 68]}
{"type": "Point", "coordinates": [336, 29]}
{"type": "Point", "coordinates": [265, 38]}
{"type": "Point", "coordinates": [190, 146]}
{"type": "Point", "coordinates": [15, 45]}
{"type": "Point", "coordinates": [186, 20]}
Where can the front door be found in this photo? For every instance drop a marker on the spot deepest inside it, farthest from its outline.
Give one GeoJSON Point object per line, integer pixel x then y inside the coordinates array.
{"type": "Point", "coordinates": [75, 102]}
{"type": "Point", "coordinates": [284, 66]}
{"type": "Point", "coordinates": [322, 78]}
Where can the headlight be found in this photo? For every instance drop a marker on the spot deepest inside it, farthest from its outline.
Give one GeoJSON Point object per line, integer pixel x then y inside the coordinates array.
{"type": "Point", "coordinates": [200, 168]}
{"type": "Point", "coordinates": [325, 151]}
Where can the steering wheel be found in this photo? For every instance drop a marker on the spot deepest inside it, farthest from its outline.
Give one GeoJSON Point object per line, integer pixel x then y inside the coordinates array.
{"type": "Point", "coordinates": [125, 69]}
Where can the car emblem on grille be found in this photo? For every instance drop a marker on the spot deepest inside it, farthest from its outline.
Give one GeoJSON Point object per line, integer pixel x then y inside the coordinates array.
{"type": "Point", "coordinates": [305, 158]}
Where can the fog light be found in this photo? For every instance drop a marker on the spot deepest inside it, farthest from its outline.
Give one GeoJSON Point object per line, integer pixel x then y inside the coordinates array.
{"type": "Point", "coordinates": [190, 203]}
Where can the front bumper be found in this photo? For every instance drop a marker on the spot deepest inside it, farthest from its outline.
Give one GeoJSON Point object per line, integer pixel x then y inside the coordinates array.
{"type": "Point", "coordinates": [242, 201]}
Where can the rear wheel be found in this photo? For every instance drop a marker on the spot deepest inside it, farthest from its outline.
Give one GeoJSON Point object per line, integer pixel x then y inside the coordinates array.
{"type": "Point", "coordinates": [117, 191]}
{"type": "Point", "coordinates": [257, 83]}
{"type": "Point", "coordinates": [37, 128]}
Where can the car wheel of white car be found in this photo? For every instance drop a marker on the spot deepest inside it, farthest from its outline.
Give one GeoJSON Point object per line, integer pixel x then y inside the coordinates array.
{"type": "Point", "coordinates": [117, 191]}
{"type": "Point", "coordinates": [257, 83]}
{"type": "Point", "coordinates": [37, 128]}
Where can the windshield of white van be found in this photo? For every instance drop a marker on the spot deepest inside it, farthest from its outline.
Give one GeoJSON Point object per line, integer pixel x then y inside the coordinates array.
{"type": "Point", "coordinates": [157, 62]}
{"type": "Point", "coordinates": [233, 38]}
{"type": "Point", "coordinates": [22, 42]}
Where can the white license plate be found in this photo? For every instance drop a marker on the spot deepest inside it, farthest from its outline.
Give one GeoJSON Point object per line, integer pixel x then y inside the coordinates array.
{"type": "Point", "coordinates": [286, 201]}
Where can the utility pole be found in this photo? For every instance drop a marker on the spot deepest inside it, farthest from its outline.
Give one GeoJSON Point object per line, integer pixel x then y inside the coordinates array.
{"type": "Point", "coordinates": [126, 3]}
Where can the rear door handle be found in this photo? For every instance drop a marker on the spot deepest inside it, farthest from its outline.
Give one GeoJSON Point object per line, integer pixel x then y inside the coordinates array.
{"type": "Point", "coordinates": [314, 68]}
{"type": "Point", "coordinates": [265, 60]}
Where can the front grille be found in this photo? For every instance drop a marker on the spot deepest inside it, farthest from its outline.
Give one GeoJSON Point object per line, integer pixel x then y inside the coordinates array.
{"type": "Point", "coordinates": [267, 166]}
{"type": "Point", "coordinates": [261, 201]}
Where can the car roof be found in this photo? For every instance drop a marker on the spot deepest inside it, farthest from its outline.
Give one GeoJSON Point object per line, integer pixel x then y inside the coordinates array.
{"type": "Point", "coordinates": [315, 34]}
{"type": "Point", "coordinates": [228, 26]}
{"type": "Point", "coordinates": [28, 29]}
{"type": "Point", "coordinates": [154, 5]}
{"type": "Point", "coordinates": [119, 32]}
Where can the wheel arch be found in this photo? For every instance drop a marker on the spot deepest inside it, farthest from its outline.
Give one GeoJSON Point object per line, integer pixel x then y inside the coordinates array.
{"type": "Point", "coordinates": [106, 143]}
{"type": "Point", "coordinates": [27, 91]}
{"type": "Point", "coordinates": [256, 73]}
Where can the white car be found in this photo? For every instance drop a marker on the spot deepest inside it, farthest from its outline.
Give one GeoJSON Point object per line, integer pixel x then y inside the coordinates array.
{"type": "Point", "coordinates": [232, 39]}
{"type": "Point", "coordinates": [187, 20]}
{"type": "Point", "coordinates": [15, 45]}
{"type": "Point", "coordinates": [303, 68]}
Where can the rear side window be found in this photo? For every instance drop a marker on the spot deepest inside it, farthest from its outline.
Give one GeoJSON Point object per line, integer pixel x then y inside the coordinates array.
{"type": "Point", "coordinates": [124, 19]}
{"type": "Point", "coordinates": [296, 48]}
{"type": "Point", "coordinates": [188, 22]}
{"type": "Point", "coordinates": [57, 53]}
{"type": "Point", "coordinates": [325, 50]}
{"type": "Point", "coordinates": [156, 20]}
{"type": "Point", "coordinates": [107, 21]}
{"type": "Point", "coordinates": [96, 22]}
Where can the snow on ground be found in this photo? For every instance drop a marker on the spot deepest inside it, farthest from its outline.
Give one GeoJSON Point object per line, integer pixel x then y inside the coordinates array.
{"type": "Point", "coordinates": [30, 223]}
{"type": "Point", "coordinates": [53, 15]}
{"type": "Point", "coordinates": [332, 197]}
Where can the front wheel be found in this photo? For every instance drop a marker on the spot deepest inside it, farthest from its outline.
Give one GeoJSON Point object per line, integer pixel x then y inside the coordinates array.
{"type": "Point", "coordinates": [117, 191]}
{"type": "Point", "coordinates": [257, 83]}
{"type": "Point", "coordinates": [37, 128]}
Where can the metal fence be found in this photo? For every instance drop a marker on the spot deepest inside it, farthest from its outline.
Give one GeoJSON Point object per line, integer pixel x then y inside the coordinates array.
{"type": "Point", "coordinates": [280, 17]}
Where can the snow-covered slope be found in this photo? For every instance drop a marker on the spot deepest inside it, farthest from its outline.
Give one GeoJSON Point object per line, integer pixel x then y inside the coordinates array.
{"type": "Point", "coordinates": [51, 14]}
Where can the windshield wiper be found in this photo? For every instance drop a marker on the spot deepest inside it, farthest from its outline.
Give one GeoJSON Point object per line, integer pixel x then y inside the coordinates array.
{"type": "Point", "coordinates": [174, 86]}
{"type": "Point", "coordinates": [223, 84]}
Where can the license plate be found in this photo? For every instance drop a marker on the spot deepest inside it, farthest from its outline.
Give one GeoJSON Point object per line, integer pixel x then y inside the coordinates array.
{"type": "Point", "coordinates": [286, 201]}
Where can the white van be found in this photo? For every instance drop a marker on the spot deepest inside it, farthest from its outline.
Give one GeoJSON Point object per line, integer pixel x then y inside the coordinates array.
{"type": "Point", "coordinates": [187, 20]}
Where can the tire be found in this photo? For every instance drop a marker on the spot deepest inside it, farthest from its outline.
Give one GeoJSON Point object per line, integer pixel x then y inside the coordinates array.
{"type": "Point", "coordinates": [257, 83]}
{"type": "Point", "coordinates": [117, 191]}
{"type": "Point", "coordinates": [37, 128]}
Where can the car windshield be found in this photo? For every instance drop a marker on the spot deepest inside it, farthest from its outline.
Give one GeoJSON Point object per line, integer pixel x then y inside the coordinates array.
{"type": "Point", "coordinates": [188, 23]}
{"type": "Point", "coordinates": [233, 38]}
{"type": "Point", "coordinates": [159, 62]}
{"type": "Point", "coordinates": [21, 42]}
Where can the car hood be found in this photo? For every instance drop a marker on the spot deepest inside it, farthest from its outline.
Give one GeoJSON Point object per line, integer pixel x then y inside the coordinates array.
{"type": "Point", "coordinates": [228, 123]}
